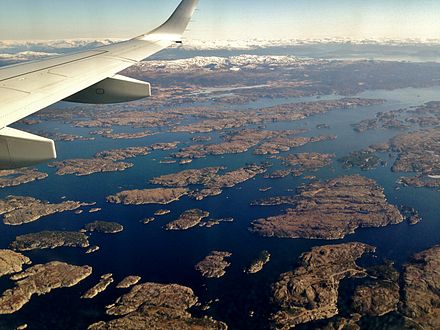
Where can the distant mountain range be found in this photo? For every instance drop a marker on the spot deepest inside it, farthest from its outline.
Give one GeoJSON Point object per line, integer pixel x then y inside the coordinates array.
{"type": "Point", "coordinates": [14, 51]}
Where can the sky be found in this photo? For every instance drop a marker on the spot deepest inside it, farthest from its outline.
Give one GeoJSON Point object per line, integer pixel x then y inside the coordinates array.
{"type": "Point", "coordinates": [222, 19]}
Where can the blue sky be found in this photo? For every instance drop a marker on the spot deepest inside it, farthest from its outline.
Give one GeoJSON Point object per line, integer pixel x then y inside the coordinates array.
{"type": "Point", "coordinates": [222, 19]}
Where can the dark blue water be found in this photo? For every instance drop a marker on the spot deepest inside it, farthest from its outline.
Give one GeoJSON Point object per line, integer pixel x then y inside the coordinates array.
{"type": "Point", "coordinates": [169, 257]}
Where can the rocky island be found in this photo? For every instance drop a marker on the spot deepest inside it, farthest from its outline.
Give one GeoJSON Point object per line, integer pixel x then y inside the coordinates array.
{"type": "Point", "coordinates": [187, 177]}
{"type": "Point", "coordinates": [148, 196]}
{"type": "Point", "coordinates": [13, 178]}
{"type": "Point", "coordinates": [187, 219]}
{"type": "Point", "coordinates": [128, 282]}
{"type": "Point", "coordinates": [258, 264]}
{"type": "Point", "coordinates": [364, 159]}
{"type": "Point", "coordinates": [162, 212]}
{"type": "Point", "coordinates": [17, 210]}
{"type": "Point", "coordinates": [104, 227]}
{"type": "Point", "coordinates": [110, 134]}
{"type": "Point", "coordinates": [214, 265]}
{"type": "Point", "coordinates": [212, 182]}
{"type": "Point", "coordinates": [39, 280]}
{"type": "Point", "coordinates": [81, 167]}
{"type": "Point", "coordinates": [107, 161]}
{"type": "Point", "coordinates": [277, 145]}
{"type": "Point", "coordinates": [101, 286]}
{"type": "Point", "coordinates": [156, 306]}
{"type": "Point", "coordinates": [12, 262]}
{"type": "Point", "coordinates": [49, 240]}
{"type": "Point", "coordinates": [311, 161]}
{"type": "Point", "coordinates": [331, 210]}
{"type": "Point", "coordinates": [310, 292]}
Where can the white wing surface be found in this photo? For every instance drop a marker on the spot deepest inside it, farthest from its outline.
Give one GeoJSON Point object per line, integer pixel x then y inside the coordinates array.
{"type": "Point", "coordinates": [87, 77]}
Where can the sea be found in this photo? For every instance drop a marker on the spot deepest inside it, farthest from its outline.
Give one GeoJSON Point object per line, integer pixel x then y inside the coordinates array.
{"type": "Point", "coordinates": [241, 300]}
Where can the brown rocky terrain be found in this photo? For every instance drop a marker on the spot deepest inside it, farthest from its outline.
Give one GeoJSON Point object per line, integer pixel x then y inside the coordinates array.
{"type": "Point", "coordinates": [310, 292]}
{"type": "Point", "coordinates": [81, 167]}
{"type": "Point", "coordinates": [101, 286]}
{"type": "Point", "coordinates": [283, 144]}
{"type": "Point", "coordinates": [279, 174]}
{"type": "Point", "coordinates": [148, 196]}
{"type": "Point", "coordinates": [421, 289]}
{"type": "Point", "coordinates": [221, 119]}
{"type": "Point", "coordinates": [187, 177]}
{"type": "Point", "coordinates": [308, 161]}
{"type": "Point", "coordinates": [214, 265]}
{"type": "Point", "coordinates": [12, 262]}
{"type": "Point", "coordinates": [39, 280]}
{"type": "Point", "coordinates": [266, 142]}
{"type": "Point", "coordinates": [187, 219]}
{"type": "Point", "coordinates": [109, 134]}
{"type": "Point", "coordinates": [331, 210]}
{"type": "Point", "coordinates": [275, 200]}
{"type": "Point", "coordinates": [107, 161]}
{"type": "Point", "coordinates": [420, 181]}
{"type": "Point", "coordinates": [383, 120]}
{"type": "Point", "coordinates": [128, 282]}
{"type": "Point", "coordinates": [12, 178]}
{"type": "Point", "coordinates": [123, 154]}
{"type": "Point", "coordinates": [380, 294]}
{"type": "Point", "coordinates": [156, 306]}
{"type": "Point", "coordinates": [418, 152]}
{"type": "Point", "coordinates": [17, 210]}
{"type": "Point", "coordinates": [49, 240]}
{"type": "Point", "coordinates": [209, 178]}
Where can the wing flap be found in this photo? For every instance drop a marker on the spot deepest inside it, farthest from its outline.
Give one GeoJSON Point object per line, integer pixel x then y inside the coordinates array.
{"type": "Point", "coordinates": [19, 149]}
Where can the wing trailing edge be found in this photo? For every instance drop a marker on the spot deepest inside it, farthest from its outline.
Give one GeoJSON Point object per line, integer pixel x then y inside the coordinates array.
{"type": "Point", "coordinates": [20, 149]}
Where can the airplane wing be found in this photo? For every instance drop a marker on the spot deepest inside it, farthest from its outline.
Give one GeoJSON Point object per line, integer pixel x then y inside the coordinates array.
{"type": "Point", "coordinates": [86, 77]}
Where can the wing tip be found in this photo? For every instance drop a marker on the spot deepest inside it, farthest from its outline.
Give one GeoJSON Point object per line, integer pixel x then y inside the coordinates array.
{"type": "Point", "coordinates": [175, 26]}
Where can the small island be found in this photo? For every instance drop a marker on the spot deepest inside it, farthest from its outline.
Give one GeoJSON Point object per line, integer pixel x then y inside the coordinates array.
{"type": "Point", "coordinates": [104, 227]}
{"type": "Point", "coordinates": [307, 161]}
{"type": "Point", "coordinates": [148, 196]}
{"type": "Point", "coordinates": [162, 212]}
{"type": "Point", "coordinates": [128, 282]}
{"type": "Point", "coordinates": [101, 286]}
{"type": "Point", "coordinates": [187, 219]}
{"type": "Point", "coordinates": [49, 240]}
{"type": "Point", "coordinates": [258, 264]}
{"type": "Point", "coordinates": [364, 159]}
{"type": "Point", "coordinates": [82, 167]}
{"type": "Point", "coordinates": [214, 265]}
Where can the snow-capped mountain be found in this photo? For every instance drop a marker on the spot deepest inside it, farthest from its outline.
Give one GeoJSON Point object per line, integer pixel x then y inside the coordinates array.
{"type": "Point", "coordinates": [233, 63]}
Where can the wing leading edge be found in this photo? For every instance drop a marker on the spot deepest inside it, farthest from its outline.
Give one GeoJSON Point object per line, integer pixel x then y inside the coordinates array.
{"type": "Point", "coordinates": [29, 87]}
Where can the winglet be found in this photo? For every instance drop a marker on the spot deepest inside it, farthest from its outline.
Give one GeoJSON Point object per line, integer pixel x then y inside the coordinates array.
{"type": "Point", "coordinates": [175, 26]}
